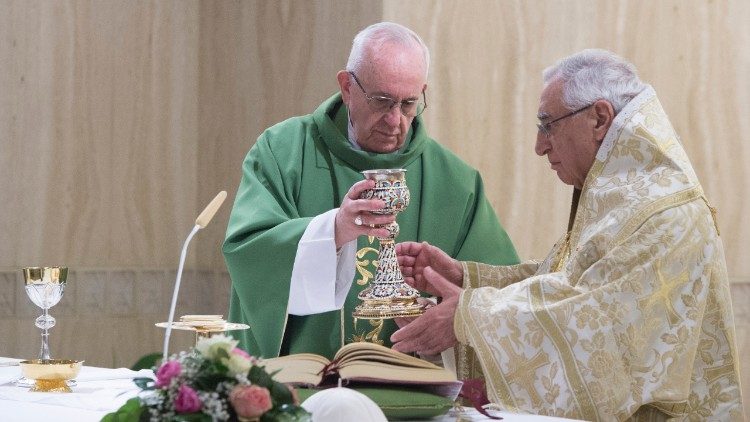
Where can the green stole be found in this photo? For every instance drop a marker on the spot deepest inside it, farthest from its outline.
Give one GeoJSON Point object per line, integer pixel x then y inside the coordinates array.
{"type": "Point", "coordinates": [278, 198]}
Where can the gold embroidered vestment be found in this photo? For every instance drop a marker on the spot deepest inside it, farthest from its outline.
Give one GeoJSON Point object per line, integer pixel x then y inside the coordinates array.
{"type": "Point", "coordinates": [635, 321]}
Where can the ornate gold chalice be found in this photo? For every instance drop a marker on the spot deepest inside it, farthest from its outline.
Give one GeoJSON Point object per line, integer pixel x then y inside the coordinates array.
{"type": "Point", "coordinates": [387, 296]}
{"type": "Point", "coordinates": [45, 287]}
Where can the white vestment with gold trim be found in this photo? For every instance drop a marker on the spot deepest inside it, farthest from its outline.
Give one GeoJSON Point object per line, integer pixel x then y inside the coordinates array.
{"type": "Point", "coordinates": [629, 316]}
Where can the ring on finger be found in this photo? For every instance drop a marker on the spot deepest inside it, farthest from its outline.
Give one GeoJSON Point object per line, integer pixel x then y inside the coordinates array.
{"type": "Point", "coordinates": [358, 220]}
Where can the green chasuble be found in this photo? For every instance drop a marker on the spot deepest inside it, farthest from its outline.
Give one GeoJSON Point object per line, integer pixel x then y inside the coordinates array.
{"type": "Point", "coordinates": [303, 167]}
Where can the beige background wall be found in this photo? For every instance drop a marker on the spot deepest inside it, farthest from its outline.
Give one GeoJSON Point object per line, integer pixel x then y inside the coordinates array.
{"type": "Point", "coordinates": [120, 120]}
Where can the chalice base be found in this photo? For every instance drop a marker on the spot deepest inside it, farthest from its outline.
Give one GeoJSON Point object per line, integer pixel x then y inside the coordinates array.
{"type": "Point", "coordinates": [388, 300]}
{"type": "Point", "coordinates": [51, 386]}
{"type": "Point", "coordinates": [29, 383]}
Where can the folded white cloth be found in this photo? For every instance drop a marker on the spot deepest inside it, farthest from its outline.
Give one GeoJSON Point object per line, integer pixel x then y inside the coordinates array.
{"type": "Point", "coordinates": [9, 373]}
{"type": "Point", "coordinates": [96, 389]}
{"type": "Point", "coordinates": [90, 373]}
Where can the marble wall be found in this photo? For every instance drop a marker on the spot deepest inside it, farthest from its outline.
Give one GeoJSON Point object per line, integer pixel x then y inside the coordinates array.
{"type": "Point", "coordinates": [119, 121]}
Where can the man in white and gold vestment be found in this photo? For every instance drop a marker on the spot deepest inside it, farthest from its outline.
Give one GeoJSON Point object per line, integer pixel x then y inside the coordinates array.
{"type": "Point", "coordinates": [629, 316]}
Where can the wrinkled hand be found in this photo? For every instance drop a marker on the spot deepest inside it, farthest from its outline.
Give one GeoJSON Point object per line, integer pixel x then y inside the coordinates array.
{"type": "Point", "coordinates": [414, 257]}
{"type": "Point", "coordinates": [352, 207]}
{"type": "Point", "coordinates": [426, 302]}
{"type": "Point", "coordinates": [432, 332]}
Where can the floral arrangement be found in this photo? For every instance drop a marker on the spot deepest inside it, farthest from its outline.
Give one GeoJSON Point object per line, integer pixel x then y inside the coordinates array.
{"type": "Point", "coordinates": [214, 381]}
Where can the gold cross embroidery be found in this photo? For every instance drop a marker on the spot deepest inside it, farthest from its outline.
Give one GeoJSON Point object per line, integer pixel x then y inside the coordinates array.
{"type": "Point", "coordinates": [664, 293]}
{"type": "Point", "coordinates": [523, 370]}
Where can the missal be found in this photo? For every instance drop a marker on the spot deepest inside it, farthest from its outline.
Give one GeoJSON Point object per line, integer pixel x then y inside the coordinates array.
{"type": "Point", "coordinates": [363, 364]}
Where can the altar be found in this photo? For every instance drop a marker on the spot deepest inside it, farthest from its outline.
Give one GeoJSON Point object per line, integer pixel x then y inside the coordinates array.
{"type": "Point", "coordinates": [99, 391]}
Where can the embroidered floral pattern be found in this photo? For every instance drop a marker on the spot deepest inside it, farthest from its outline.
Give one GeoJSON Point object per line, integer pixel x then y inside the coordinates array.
{"type": "Point", "coordinates": [636, 318]}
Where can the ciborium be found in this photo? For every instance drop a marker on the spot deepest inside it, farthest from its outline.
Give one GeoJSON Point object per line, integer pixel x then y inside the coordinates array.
{"type": "Point", "coordinates": [388, 296]}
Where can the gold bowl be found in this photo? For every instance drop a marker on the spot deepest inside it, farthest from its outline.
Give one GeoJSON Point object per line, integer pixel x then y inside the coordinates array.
{"type": "Point", "coordinates": [50, 375]}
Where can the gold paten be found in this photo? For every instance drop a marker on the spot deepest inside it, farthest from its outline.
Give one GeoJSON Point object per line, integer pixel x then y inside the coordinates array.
{"type": "Point", "coordinates": [202, 332]}
{"type": "Point", "coordinates": [50, 375]}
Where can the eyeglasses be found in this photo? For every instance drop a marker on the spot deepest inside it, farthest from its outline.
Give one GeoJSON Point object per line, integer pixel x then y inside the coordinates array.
{"type": "Point", "coordinates": [383, 104]}
{"type": "Point", "coordinates": [546, 128]}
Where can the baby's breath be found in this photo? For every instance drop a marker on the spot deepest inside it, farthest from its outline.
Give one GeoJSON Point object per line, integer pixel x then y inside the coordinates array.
{"type": "Point", "coordinates": [205, 376]}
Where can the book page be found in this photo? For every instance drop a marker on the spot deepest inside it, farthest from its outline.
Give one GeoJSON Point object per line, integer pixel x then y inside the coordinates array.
{"type": "Point", "coordinates": [378, 371]}
{"type": "Point", "coordinates": [300, 369]}
{"type": "Point", "coordinates": [363, 351]}
{"type": "Point", "coordinates": [372, 363]}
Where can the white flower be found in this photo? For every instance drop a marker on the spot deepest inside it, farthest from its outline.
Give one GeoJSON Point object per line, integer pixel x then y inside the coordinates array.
{"type": "Point", "coordinates": [216, 347]}
{"type": "Point", "coordinates": [237, 364]}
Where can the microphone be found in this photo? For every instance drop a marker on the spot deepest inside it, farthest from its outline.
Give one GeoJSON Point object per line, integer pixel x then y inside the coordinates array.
{"type": "Point", "coordinates": [201, 222]}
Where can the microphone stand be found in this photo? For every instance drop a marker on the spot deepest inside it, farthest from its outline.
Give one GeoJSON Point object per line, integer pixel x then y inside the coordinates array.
{"type": "Point", "coordinates": [203, 219]}
{"type": "Point", "coordinates": [176, 290]}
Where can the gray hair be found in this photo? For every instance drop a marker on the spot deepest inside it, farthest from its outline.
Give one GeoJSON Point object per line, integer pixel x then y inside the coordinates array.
{"type": "Point", "coordinates": [382, 33]}
{"type": "Point", "coordinates": [595, 74]}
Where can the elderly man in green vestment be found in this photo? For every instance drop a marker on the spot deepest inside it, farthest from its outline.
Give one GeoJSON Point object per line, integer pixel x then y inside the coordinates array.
{"type": "Point", "coordinates": [629, 316]}
{"type": "Point", "coordinates": [300, 243]}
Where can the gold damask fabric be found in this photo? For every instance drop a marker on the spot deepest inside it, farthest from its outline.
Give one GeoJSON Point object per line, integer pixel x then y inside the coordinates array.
{"type": "Point", "coordinates": [629, 316]}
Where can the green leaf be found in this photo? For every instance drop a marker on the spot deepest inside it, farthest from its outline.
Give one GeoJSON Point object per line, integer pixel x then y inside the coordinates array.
{"type": "Point", "coordinates": [149, 361]}
{"type": "Point", "coordinates": [286, 413]}
{"type": "Point", "coordinates": [144, 383]}
{"type": "Point", "coordinates": [192, 417]}
{"type": "Point", "coordinates": [210, 381]}
{"type": "Point", "coordinates": [280, 394]}
{"type": "Point", "coordinates": [222, 353]}
{"type": "Point", "coordinates": [258, 375]}
{"type": "Point", "coordinates": [215, 367]}
{"type": "Point", "coordinates": [129, 412]}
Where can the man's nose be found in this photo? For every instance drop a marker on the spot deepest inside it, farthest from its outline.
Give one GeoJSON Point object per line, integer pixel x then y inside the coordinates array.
{"type": "Point", "coordinates": [542, 145]}
{"type": "Point", "coordinates": [393, 116]}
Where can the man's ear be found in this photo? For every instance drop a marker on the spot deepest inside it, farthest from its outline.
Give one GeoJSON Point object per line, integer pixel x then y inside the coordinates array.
{"type": "Point", "coordinates": [345, 83]}
{"type": "Point", "coordinates": [605, 114]}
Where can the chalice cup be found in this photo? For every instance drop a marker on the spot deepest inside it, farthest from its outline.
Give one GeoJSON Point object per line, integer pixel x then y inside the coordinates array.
{"type": "Point", "coordinates": [387, 296]}
{"type": "Point", "coordinates": [44, 286]}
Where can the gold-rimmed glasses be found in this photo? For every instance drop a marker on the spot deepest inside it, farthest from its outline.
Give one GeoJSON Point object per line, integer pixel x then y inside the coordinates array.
{"type": "Point", "coordinates": [410, 107]}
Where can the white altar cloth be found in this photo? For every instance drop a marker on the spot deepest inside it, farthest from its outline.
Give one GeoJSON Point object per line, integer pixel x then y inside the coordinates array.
{"type": "Point", "coordinates": [102, 390]}
{"type": "Point", "coordinates": [99, 391]}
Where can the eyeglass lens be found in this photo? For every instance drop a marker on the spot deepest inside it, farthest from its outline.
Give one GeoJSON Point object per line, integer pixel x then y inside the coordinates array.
{"type": "Point", "coordinates": [383, 104]}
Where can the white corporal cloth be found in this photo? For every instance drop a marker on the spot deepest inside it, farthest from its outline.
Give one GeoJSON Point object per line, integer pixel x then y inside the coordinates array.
{"type": "Point", "coordinates": [98, 391]}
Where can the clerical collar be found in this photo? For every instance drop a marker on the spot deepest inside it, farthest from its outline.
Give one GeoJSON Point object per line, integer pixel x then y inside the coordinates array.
{"type": "Point", "coordinates": [353, 139]}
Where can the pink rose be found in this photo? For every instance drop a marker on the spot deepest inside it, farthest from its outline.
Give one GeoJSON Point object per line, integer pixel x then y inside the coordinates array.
{"type": "Point", "coordinates": [250, 401]}
{"type": "Point", "coordinates": [238, 351]}
{"type": "Point", "coordinates": [187, 400]}
{"type": "Point", "coordinates": [166, 372]}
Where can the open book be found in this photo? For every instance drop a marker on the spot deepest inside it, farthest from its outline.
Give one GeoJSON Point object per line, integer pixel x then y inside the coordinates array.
{"type": "Point", "coordinates": [364, 363]}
